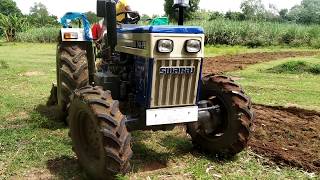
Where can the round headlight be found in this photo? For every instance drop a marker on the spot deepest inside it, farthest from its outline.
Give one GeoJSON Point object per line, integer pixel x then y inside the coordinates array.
{"type": "Point", "coordinates": [193, 46]}
{"type": "Point", "coordinates": [165, 46]}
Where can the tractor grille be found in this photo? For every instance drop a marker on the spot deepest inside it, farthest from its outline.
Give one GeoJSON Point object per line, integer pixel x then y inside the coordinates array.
{"type": "Point", "coordinates": [175, 89]}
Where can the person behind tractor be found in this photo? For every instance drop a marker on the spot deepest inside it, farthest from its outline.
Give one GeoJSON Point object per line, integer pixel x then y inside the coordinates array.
{"type": "Point", "coordinates": [98, 29]}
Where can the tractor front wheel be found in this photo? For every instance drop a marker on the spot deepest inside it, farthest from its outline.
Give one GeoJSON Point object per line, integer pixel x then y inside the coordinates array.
{"type": "Point", "coordinates": [230, 124]}
{"type": "Point", "coordinates": [99, 135]}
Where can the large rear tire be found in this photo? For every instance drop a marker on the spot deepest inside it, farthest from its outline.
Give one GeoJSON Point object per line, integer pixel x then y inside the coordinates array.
{"type": "Point", "coordinates": [72, 72]}
{"type": "Point", "coordinates": [99, 135]}
{"type": "Point", "coordinates": [235, 117]}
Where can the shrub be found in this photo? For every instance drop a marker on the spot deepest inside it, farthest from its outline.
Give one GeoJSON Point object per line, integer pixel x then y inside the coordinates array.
{"type": "Point", "coordinates": [253, 33]}
{"type": "Point", "coordinates": [296, 67]}
{"type": "Point", "coordinates": [42, 35]}
{"type": "Point", "coordinates": [4, 64]}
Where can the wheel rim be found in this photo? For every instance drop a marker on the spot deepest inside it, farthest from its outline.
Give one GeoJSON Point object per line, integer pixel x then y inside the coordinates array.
{"type": "Point", "coordinates": [222, 115]}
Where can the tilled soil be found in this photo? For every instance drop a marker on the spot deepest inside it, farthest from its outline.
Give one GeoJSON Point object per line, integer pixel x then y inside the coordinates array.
{"type": "Point", "coordinates": [285, 135]}
{"type": "Point", "coordinates": [226, 63]}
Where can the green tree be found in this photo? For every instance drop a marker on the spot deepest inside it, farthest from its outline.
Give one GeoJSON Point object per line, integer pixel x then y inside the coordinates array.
{"type": "Point", "coordinates": [92, 17]}
{"type": "Point", "coordinates": [253, 9]}
{"type": "Point", "coordinates": [235, 16]}
{"type": "Point", "coordinates": [172, 13]}
{"type": "Point", "coordinates": [40, 17]}
{"type": "Point", "coordinates": [215, 15]}
{"type": "Point", "coordinates": [12, 24]}
{"type": "Point", "coordinates": [307, 12]}
{"type": "Point", "coordinates": [9, 7]}
{"type": "Point", "coordinates": [283, 13]}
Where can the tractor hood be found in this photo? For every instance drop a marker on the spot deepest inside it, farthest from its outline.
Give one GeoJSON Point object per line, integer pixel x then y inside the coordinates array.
{"type": "Point", "coordinates": [163, 29]}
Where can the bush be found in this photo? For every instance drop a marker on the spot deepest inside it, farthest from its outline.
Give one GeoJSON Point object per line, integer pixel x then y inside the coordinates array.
{"type": "Point", "coordinates": [296, 67]}
{"type": "Point", "coordinates": [253, 34]}
{"type": "Point", "coordinates": [41, 35]}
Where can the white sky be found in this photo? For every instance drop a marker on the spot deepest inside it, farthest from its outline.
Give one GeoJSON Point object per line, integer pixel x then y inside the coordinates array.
{"type": "Point", "coordinates": [150, 7]}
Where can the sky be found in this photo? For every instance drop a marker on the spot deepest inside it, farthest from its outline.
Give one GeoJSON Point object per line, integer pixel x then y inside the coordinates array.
{"type": "Point", "coordinates": [150, 7]}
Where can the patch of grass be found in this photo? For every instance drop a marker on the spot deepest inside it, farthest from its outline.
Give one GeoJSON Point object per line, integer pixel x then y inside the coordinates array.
{"type": "Point", "coordinates": [3, 64]}
{"type": "Point", "coordinates": [39, 35]}
{"type": "Point", "coordinates": [283, 89]}
{"type": "Point", "coordinates": [216, 50]}
{"type": "Point", "coordinates": [33, 145]}
{"type": "Point", "coordinates": [295, 67]}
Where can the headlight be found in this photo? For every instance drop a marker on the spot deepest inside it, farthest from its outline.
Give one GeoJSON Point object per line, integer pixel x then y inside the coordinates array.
{"type": "Point", "coordinates": [193, 46]}
{"type": "Point", "coordinates": [70, 35]}
{"type": "Point", "coordinates": [165, 46]}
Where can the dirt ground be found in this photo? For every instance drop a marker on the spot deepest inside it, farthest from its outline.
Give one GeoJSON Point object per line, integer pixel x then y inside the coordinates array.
{"type": "Point", "coordinates": [288, 136]}
{"type": "Point", "coordinates": [226, 63]}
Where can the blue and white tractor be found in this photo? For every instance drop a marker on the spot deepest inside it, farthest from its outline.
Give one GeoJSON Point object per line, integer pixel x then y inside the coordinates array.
{"type": "Point", "coordinates": [149, 78]}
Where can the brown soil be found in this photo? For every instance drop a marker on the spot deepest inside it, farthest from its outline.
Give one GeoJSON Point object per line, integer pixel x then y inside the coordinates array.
{"type": "Point", "coordinates": [285, 135]}
{"type": "Point", "coordinates": [226, 63]}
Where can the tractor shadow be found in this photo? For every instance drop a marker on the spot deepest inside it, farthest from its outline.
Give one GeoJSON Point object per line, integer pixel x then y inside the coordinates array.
{"type": "Point", "coordinates": [51, 119]}
{"type": "Point", "coordinates": [170, 146]}
{"type": "Point", "coordinates": [65, 167]}
{"type": "Point", "coordinates": [146, 157]}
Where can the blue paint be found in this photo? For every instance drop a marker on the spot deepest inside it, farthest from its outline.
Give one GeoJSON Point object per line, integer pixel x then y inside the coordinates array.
{"type": "Point", "coordinates": [149, 83]}
{"type": "Point", "coordinates": [199, 83]}
{"type": "Point", "coordinates": [163, 29]}
{"type": "Point", "coordinates": [140, 79]}
{"type": "Point", "coordinates": [143, 80]}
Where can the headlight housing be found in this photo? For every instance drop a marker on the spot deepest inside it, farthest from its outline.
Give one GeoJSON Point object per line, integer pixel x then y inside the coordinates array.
{"type": "Point", "coordinates": [193, 46]}
{"type": "Point", "coordinates": [165, 46]}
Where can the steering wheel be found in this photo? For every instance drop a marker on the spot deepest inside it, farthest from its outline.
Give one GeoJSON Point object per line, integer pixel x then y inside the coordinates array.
{"type": "Point", "coordinates": [131, 17]}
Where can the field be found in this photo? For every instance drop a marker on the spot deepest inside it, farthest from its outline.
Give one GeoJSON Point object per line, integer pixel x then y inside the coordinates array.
{"type": "Point", "coordinates": [284, 145]}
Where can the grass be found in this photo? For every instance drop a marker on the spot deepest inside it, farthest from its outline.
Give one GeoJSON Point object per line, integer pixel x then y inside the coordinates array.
{"type": "Point", "coordinates": [288, 82]}
{"type": "Point", "coordinates": [295, 67]}
{"type": "Point", "coordinates": [41, 35]}
{"type": "Point", "coordinates": [34, 145]}
{"type": "Point", "coordinates": [216, 50]}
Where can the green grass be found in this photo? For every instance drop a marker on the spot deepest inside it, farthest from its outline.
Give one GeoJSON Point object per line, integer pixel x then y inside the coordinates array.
{"type": "Point", "coordinates": [295, 67]}
{"type": "Point", "coordinates": [41, 35]}
{"type": "Point", "coordinates": [217, 50]}
{"type": "Point", "coordinates": [33, 145]}
{"type": "Point", "coordinates": [292, 87]}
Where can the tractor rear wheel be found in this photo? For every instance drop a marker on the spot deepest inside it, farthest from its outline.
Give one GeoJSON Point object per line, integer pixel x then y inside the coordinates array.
{"type": "Point", "coordinates": [231, 134]}
{"type": "Point", "coordinates": [99, 135]}
{"type": "Point", "coordinates": [73, 72]}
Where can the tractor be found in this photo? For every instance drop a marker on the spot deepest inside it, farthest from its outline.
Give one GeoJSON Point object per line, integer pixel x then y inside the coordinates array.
{"type": "Point", "coordinates": [150, 78]}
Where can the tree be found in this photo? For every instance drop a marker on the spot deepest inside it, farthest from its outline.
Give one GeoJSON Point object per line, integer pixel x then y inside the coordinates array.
{"type": "Point", "coordinates": [283, 13]}
{"type": "Point", "coordinates": [253, 9]}
{"type": "Point", "coordinates": [307, 12]}
{"type": "Point", "coordinates": [9, 7]}
{"type": "Point", "coordinates": [92, 17]}
{"type": "Point", "coordinates": [172, 13]}
{"type": "Point", "coordinates": [215, 15]}
{"type": "Point", "coordinates": [12, 24]}
{"type": "Point", "coordinates": [39, 16]}
{"type": "Point", "coordinates": [235, 16]}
